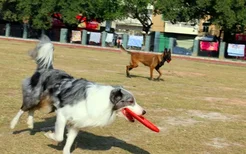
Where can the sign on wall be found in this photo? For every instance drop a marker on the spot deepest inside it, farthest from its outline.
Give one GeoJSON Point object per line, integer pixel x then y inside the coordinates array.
{"type": "Point", "coordinates": [237, 50]}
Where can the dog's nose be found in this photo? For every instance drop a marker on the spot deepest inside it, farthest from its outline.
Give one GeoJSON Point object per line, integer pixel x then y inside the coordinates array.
{"type": "Point", "coordinates": [144, 112]}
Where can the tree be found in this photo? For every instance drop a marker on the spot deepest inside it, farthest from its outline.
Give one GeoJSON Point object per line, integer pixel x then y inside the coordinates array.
{"type": "Point", "coordinates": [40, 12]}
{"type": "Point", "coordinates": [139, 9]}
{"type": "Point", "coordinates": [225, 13]}
{"type": "Point", "coordinates": [8, 10]}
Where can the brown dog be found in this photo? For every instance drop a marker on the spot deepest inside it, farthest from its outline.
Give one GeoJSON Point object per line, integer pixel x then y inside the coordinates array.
{"type": "Point", "coordinates": [153, 61]}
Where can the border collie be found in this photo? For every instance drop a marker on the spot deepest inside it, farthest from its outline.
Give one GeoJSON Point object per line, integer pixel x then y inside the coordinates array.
{"type": "Point", "coordinates": [78, 103]}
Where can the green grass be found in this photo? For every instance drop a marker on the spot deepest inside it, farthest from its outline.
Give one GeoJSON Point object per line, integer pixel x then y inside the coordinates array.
{"type": "Point", "coordinates": [199, 107]}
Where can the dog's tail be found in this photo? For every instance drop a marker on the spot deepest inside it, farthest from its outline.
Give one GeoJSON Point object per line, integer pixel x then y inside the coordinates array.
{"type": "Point", "coordinates": [123, 49]}
{"type": "Point", "coordinates": [43, 53]}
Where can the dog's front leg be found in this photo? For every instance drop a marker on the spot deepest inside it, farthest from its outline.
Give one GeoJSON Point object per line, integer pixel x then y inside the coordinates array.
{"type": "Point", "coordinates": [30, 119]}
{"type": "Point", "coordinates": [16, 119]}
{"type": "Point", "coordinates": [158, 70]}
{"type": "Point", "coordinates": [71, 135]}
{"type": "Point", "coordinates": [60, 125]}
{"type": "Point", "coordinates": [151, 73]}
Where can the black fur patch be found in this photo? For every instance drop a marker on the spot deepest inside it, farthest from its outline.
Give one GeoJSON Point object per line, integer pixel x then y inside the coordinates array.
{"type": "Point", "coordinates": [55, 77]}
{"type": "Point", "coordinates": [35, 79]}
{"type": "Point", "coordinates": [46, 83]}
{"type": "Point", "coordinates": [159, 65]}
{"type": "Point", "coordinates": [70, 90]}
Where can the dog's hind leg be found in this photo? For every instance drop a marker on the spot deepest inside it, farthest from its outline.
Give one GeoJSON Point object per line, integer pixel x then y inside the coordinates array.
{"type": "Point", "coordinates": [16, 119]}
{"type": "Point", "coordinates": [71, 135]}
{"type": "Point", "coordinates": [60, 125]}
{"type": "Point", "coordinates": [130, 67]}
{"type": "Point", "coordinates": [30, 119]}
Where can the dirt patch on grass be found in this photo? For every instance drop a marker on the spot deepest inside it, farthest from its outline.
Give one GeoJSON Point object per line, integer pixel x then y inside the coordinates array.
{"type": "Point", "coordinates": [221, 143]}
{"type": "Point", "coordinates": [234, 101]}
{"type": "Point", "coordinates": [214, 99]}
{"type": "Point", "coordinates": [192, 117]}
{"type": "Point", "coordinates": [181, 121]}
{"type": "Point", "coordinates": [210, 115]}
{"type": "Point", "coordinates": [186, 74]}
{"type": "Point", "coordinates": [156, 110]}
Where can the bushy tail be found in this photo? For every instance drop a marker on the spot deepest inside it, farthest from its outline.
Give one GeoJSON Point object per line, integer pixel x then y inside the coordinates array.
{"type": "Point", "coordinates": [43, 53]}
{"type": "Point", "coordinates": [123, 49]}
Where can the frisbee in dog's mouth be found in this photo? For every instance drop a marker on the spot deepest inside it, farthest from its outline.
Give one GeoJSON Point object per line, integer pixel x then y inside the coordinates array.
{"type": "Point", "coordinates": [127, 115]}
{"type": "Point", "coordinates": [168, 61]}
{"type": "Point", "coordinates": [131, 115]}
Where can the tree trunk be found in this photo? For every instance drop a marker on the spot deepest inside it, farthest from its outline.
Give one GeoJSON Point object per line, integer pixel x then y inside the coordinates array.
{"type": "Point", "coordinates": [220, 35]}
{"type": "Point", "coordinates": [144, 42]}
{"type": "Point", "coordinates": [146, 30]}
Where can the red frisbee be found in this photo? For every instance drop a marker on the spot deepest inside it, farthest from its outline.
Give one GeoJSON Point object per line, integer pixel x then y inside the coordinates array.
{"type": "Point", "coordinates": [141, 119]}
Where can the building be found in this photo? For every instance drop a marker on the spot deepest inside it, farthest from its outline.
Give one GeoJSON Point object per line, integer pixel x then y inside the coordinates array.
{"type": "Point", "coordinates": [183, 33]}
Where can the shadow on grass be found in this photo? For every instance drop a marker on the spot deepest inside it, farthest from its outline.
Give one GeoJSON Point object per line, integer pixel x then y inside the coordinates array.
{"type": "Point", "coordinates": [89, 141]}
{"type": "Point", "coordinates": [46, 125]}
{"type": "Point", "coordinates": [84, 140]}
{"type": "Point", "coordinates": [139, 76]}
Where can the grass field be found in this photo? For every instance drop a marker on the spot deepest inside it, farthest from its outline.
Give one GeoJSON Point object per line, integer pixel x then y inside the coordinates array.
{"type": "Point", "coordinates": [199, 107]}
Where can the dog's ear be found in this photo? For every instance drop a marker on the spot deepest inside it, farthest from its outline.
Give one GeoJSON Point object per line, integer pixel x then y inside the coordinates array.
{"type": "Point", "coordinates": [116, 95]}
{"type": "Point", "coordinates": [169, 51]}
{"type": "Point", "coordinates": [165, 51]}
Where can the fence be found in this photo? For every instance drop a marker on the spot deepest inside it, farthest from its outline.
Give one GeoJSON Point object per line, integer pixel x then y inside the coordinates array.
{"type": "Point", "coordinates": [155, 42]}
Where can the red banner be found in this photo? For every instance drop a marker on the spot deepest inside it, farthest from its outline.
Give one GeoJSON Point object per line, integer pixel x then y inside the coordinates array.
{"type": "Point", "coordinates": [240, 37]}
{"type": "Point", "coordinates": [209, 46]}
{"type": "Point", "coordinates": [89, 25]}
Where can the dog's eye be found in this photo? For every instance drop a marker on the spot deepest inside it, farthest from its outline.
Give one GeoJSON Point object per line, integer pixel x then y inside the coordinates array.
{"type": "Point", "coordinates": [131, 102]}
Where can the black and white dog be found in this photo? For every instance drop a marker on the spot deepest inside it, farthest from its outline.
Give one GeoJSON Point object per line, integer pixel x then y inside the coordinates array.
{"type": "Point", "coordinates": [78, 103]}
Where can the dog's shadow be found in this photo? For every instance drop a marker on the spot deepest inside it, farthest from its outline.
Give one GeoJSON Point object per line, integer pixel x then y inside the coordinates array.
{"type": "Point", "coordinates": [144, 77]}
{"type": "Point", "coordinates": [84, 140]}
{"type": "Point", "coordinates": [89, 141]}
{"type": "Point", "coordinates": [46, 125]}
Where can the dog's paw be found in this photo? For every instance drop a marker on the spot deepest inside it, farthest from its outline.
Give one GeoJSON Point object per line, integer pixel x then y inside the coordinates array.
{"type": "Point", "coordinates": [12, 124]}
{"type": "Point", "coordinates": [30, 126]}
{"type": "Point", "coordinates": [66, 151]}
{"type": "Point", "coordinates": [50, 135]}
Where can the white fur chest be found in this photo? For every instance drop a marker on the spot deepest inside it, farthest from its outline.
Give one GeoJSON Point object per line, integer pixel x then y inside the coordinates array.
{"type": "Point", "coordinates": [96, 110]}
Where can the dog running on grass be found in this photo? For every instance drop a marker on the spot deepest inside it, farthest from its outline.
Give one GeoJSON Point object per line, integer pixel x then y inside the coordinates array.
{"type": "Point", "coordinates": [153, 61]}
{"type": "Point", "coordinates": [33, 88]}
{"type": "Point", "coordinates": [78, 103]}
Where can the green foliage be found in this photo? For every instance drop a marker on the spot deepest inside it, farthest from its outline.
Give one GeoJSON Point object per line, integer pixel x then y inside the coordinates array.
{"type": "Point", "coordinates": [8, 10]}
{"type": "Point", "coordinates": [39, 12]}
{"type": "Point", "coordinates": [225, 13]}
